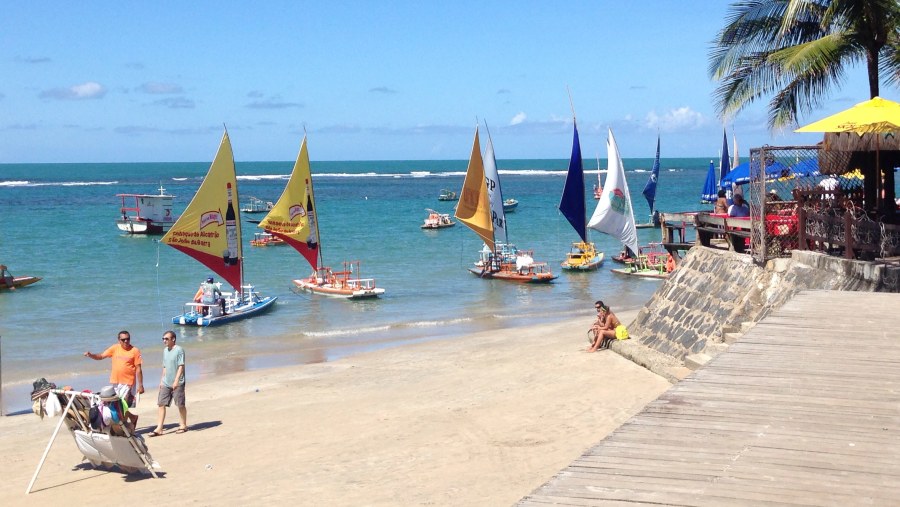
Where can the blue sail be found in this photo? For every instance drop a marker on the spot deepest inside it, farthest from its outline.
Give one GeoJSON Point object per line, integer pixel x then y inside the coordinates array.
{"type": "Point", "coordinates": [725, 161]}
{"type": "Point", "coordinates": [709, 188]}
{"type": "Point", "coordinates": [572, 202]}
{"type": "Point", "coordinates": [650, 189]}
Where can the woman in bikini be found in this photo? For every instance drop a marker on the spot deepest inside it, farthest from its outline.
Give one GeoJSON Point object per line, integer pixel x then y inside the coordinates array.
{"type": "Point", "coordinates": [610, 329]}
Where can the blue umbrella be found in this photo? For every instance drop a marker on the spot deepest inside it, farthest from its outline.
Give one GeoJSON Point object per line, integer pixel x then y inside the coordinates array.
{"type": "Point", "coordinates": [709, 188]}
{"type": "Point", "coordinates": [741, 173]}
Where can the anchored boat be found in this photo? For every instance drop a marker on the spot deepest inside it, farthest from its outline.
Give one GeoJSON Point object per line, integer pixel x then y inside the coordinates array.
{"type": "Point", "coordinates": [294, 219]}
{"type": "Point", "coordinates": [212, 238]}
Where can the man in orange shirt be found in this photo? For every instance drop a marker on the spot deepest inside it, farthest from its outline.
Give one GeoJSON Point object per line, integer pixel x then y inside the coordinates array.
{"type": "Point", "coordinates": [127, 376]}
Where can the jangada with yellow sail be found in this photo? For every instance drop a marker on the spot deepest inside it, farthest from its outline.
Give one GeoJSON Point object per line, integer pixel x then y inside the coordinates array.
{"type": "Point", "coordinates": [294, 219]}
{"type": "Point", "coordinates": [209, 230]}
{"type": "Point", "coordinates": [480, 208]}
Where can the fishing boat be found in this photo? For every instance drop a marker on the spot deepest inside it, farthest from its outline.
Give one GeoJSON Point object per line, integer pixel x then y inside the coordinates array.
{"type": "Point", "coordinates": [650, 263]}
{"type": "Point", "coordinates": [650, 192]}
{"type": "Point", "coordinates": [294, 220]}
{"type": "Point", "coordinates": [213, 238]}
{"type": "Point", "coordinates": [583, 255]}
{"type": "Point", "coordinates": [146, 213]}
{"type": "Point", "coordinates": [481, 209]}
{"type": "Point", "coordinates": [598, 188]}
{"type": "Point", "coordinates": [266, 239]}
{"type": "Point", "coordinates": [10, 282]}
{"type": "Point", "coordinates": [614, 214]}
{"type": "Point", "coordinates": [510, 205]}
{"type": "Point", "coordinates": [437, 220]}
{"type": "Point", "coordinates": [256, 205]}
{"type": "Point", "coordinates": [447, 195]}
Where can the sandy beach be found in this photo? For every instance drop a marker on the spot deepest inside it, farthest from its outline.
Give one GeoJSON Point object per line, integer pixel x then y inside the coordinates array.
{"type": "Point", "coordinates": [481, 419]}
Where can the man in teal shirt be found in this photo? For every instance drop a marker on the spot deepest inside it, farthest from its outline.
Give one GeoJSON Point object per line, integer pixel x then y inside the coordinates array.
{"type": "Point", "coordinates": [171, 386]}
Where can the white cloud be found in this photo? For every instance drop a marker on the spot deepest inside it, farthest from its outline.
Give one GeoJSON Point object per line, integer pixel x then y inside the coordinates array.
{"type": "Point", "coordinates": [517, 119]}
{"type": "Point", "coordinates": [682, 118]}
{"type": "Point", "coordinates": [89, 90]}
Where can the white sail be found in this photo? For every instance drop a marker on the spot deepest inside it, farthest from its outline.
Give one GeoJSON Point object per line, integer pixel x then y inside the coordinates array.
{"type": "Point", "coordinates": [614, 214]}
{"type": "Point", "coordinates": [495, 195]}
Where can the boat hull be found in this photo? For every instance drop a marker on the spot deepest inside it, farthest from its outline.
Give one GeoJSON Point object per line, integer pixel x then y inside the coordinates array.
{"type": "Point", "coordinates": [19, 282]}
{"type": "Point", "coordinates": [238, 313]}
{"type": "Point", "coordinates": [642, 273]}
{"type": "Point", "coordinates": [336, 292]}
{"type": "Point", "coordinates": [438, 226]}
{"type": "Point", "coordinates": [142, 226]}
{"type": "Point", "coordinates": [514, 276]}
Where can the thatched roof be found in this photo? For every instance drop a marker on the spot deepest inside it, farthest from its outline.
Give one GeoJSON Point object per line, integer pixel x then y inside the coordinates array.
{"type": "Point", "coordinates": [845, 151]}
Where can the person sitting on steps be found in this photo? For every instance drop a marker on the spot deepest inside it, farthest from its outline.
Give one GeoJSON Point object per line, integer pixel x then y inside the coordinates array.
{"type": "Point", "coordinates": [608, 330]}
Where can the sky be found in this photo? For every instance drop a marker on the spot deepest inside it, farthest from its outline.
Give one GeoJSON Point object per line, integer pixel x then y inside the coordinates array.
{"type": "Point", "coordinates": [106, 81]}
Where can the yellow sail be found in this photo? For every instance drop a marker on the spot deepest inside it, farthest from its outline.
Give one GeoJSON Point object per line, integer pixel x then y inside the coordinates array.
{"type": "Point", "coordinates": [474, 208]}
{"type": "Point", "coordinates": [293, 218]}
{"type": "Point", "coordinates": [209, 230]}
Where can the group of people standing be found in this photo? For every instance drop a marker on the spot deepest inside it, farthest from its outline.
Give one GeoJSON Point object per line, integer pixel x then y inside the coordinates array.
{"type": "Point", "coordinates": [127, 378]}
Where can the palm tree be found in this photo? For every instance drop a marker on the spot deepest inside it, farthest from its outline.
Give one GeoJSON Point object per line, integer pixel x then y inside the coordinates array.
{"type": "Point", "coordinates": [798, 49]}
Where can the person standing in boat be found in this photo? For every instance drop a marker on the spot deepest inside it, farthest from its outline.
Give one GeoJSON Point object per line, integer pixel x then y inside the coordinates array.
{"type": "Point", "coordinates": [209, 294]}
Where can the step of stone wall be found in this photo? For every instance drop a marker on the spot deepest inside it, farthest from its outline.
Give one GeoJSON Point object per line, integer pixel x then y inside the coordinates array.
{"type": "Point", "coordinates": [696, 361]}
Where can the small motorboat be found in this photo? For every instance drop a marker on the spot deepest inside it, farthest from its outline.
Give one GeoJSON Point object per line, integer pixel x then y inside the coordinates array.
{"type": "Point", "coordinates": [146, 213]}
{"type": "Point", "coordinates": [255, 205]}
{"type": "Point", "coordinates": [437, 220]}
{"type": "Point", "coordinates": [10, 282]}
{"type": "Point", "coordinates": [266, 239]}
{"type": "Point", "coordinates": [448, 195]}
{"type": "Point", "coordinates": [510, 205]}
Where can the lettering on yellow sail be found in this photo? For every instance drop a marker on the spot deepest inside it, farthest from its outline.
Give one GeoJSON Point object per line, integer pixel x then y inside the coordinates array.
{"type": "Point", "coordinates": [297, 210]}
{"type": "Point", "coordinates": [210, 217]}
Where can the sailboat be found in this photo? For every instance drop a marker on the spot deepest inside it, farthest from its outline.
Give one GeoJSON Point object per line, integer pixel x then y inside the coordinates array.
{"type": "Point", "coordinates": [583, 255]}
{"type": "Point", "coordinates": [650, 192]}
{"type": "Point", "coordinates": [213, 238]}
{"type": "Point", "coordinates": [598, 188]}
{"type": "Point", "coordinates": [480, 208]}
{"type": "Point", "coordinates": [293, 219]}
{"type": "Point", "coordinates": [614, 214]}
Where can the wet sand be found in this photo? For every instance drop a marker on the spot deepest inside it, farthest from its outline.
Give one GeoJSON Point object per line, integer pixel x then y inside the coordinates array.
{"type": "Point", "coordinates": [480, 419]}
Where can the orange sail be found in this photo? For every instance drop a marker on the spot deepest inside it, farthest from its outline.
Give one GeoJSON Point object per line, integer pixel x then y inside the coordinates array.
{"type": "Point", "coordinates": [474, 208]}
{"type": "Point", "coordinates": [293, 218]}
{"type": "Point", "coordinates": [209, 230]}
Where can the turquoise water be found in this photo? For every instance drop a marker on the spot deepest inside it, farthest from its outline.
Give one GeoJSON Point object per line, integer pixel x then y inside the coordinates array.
{"type": "Point", "coordinates": [57, 221]}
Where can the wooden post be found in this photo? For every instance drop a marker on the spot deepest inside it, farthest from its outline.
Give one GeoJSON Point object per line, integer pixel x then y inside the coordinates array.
{"type": "Point", "coordinates": [848, 235]}
{"type": "Point", "coordinates": [801, 228]}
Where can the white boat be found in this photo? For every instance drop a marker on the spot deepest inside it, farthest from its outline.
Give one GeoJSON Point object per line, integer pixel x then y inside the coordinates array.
{"type": "Point", "coordinates": [510, 205]}
{"type": "Point", "coordinates": [583, 255]}
{"type": "Point", "coordinates": [213, 238]}
{"type": "Point", "coordinates": [437, 220]}
{"type": "Point", "coordinates": [146, 213]}
{"type": "Point", "coordinates": [294, 219]}
{"type": "Point", "coordinates": [255, 205]}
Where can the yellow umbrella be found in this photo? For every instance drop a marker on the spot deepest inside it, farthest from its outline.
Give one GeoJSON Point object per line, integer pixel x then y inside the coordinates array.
{"type": "Point", "coordinates": [875, 115]}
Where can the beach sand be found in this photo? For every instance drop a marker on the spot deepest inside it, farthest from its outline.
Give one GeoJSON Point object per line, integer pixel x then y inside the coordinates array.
{"type": "Point", "coordinates": [482, 419]}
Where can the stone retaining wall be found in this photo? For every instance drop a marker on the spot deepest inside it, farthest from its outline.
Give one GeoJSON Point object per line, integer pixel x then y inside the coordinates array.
{"type": "Point", "coordinates": [716, 292]}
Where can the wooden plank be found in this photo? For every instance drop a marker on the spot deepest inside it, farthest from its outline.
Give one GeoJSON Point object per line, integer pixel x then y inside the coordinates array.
{"type": "Point", "coordinates": [800, 411]}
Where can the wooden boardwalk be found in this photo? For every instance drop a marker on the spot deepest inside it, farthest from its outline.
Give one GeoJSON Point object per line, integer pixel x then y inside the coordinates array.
{"type": "Point", "coordinates": [803, 410]}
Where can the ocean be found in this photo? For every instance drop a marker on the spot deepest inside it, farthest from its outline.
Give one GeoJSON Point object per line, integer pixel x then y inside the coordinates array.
{"type": "Point", "coordinates": [57, 221]}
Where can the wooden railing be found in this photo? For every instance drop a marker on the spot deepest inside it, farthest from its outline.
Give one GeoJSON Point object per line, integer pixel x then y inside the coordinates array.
{"type": "Point", "coordinates": [735, 231]}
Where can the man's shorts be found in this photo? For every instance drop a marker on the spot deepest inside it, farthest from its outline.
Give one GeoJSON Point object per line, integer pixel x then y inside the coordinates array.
{"type": "Point", "coordinates": [167, 395]}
